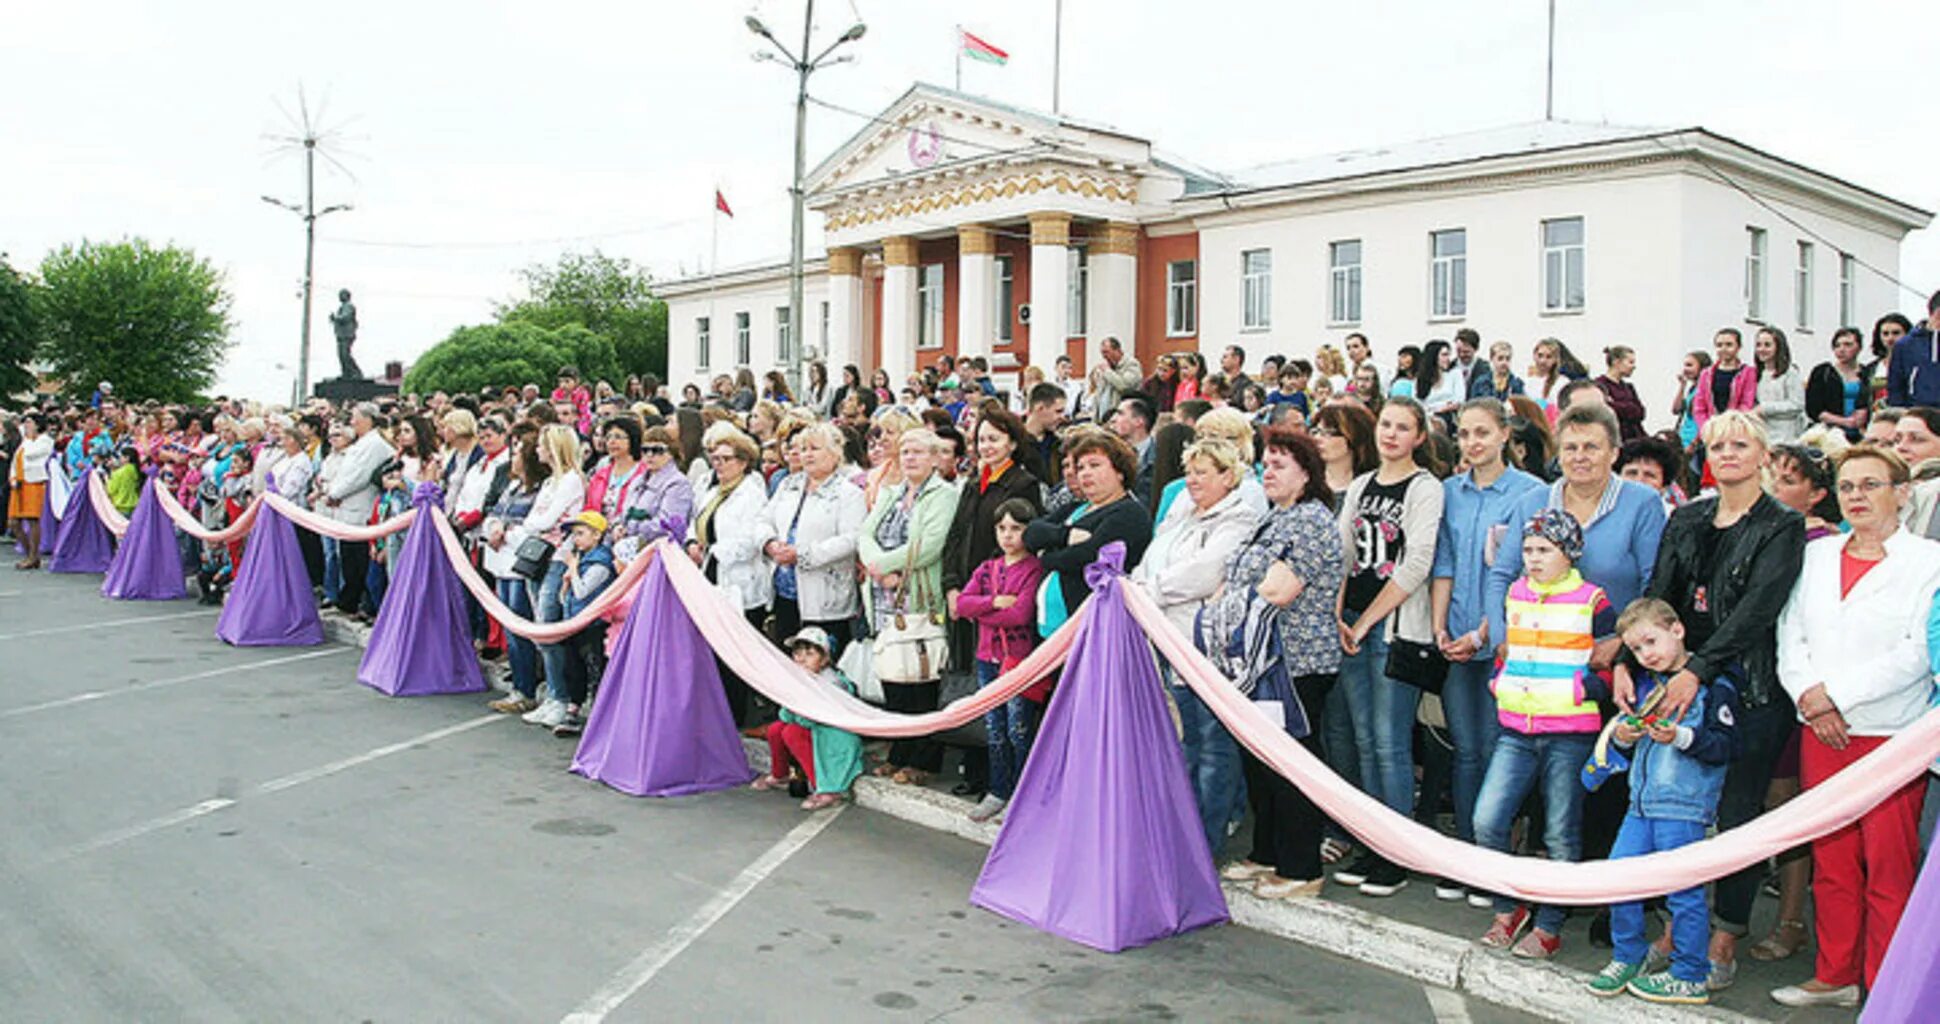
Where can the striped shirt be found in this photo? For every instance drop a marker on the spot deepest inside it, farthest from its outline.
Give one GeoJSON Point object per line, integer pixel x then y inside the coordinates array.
{"type": "Point", "coordinates": [1545, 684]}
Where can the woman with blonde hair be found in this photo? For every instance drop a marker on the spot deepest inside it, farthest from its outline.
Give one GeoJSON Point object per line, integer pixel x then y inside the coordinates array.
{"type": "Point", "coordinates": [559, 498]}
{"type": "Point", "coordinates": [1329, 363]}
{"type": "Point", "coordinates": [884, 438]}
{"type": "Point", "coordinates": [808, 532]}
{"type": "Point", "coordinates": [723, 541]}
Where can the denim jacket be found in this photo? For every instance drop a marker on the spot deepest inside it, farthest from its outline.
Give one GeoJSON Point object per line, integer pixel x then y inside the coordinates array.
{"type": "Point", "coordinates": [1681, 781]}
{"type": "Point", "coordinates": [1476, 522]}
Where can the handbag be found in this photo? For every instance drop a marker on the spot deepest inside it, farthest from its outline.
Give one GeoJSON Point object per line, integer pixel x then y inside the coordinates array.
{"type": "Point", "coordinates": [1419, 665]}
{"type": "Point", "coordinates": [532, 558]}
{"type": "Point", "coordinates": [858, 663]}
{"type": "Point", "coordinates": [911, 648]}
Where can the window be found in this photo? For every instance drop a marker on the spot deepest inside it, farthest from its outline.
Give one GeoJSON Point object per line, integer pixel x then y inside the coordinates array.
{"type": "Point", "coordinates": [784, 340]}
{"type": "Point", "coordinates": [823, 343]}
{"type": "Point", "coordinates": [1006, 298]}
{"type": "Point", "coordinates": [1256, 289]}
{"type": "Point", "coordinates": [1563, 265]}
{"type": "Point", "coordinates": [929, 305]}
{"type": "Point", "coordinates": [1802, 287]}
{"type": "Point", "coordinates": [1181, 298]}
{"type": "Point", "coordinates": [743, 340]}
{"type": "Point", "coordinates": [1847, 265]}
{"type": "Point", "coordinates": [1755, 275]}
{"type": "Point", "coordinates": [1448, 272]}
{"type": "Point", "coordinates": [1077, 286]}
{"type": "Point", "coordinates": [703, 342]}
{"type": "Point", "coordinates": [1344, 282]}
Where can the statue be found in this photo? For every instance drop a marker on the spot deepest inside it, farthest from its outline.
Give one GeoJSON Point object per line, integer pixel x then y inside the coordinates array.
{"type": "Point", "coordinates": [344, 323]}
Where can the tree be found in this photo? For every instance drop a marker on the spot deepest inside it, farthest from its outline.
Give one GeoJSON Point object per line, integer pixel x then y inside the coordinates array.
{"type": "Point", "coordinates": [510, 355]}
{"type": "Point", "coordinates": [153, 321]}
{"type": "Point", "coordinates": [18, 334]}
{"type": "Point", "coordinates": [606, 295]}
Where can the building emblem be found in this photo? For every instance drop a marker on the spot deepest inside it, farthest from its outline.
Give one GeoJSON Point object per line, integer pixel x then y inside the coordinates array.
{"type": "Point", "coordinates": [925, 145]}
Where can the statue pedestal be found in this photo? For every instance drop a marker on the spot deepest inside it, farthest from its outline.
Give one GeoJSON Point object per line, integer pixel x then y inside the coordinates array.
{"type": "Point", "coordinates": [350, 390]}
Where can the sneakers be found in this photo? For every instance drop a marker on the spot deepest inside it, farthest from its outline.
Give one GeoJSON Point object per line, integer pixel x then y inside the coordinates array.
{"type": "Point", "coordinates": [1385, 880]}
{"type": "Point", "coordinates": [513, 705]}
{"type": "Point", "coordinates": [1244, 871]}
{"type": "Point", "coordinates": [1272, 887]}
{"type": "Point", "coordinates": [1537, 945]}
{"type": "Point", "coordinates": [571, 725]}
{"type": "Point", "coordinates": [1662, 988]}
{"type": "Point", "coordinates": [1846, 996]}
{"type": "Point", "coordinates": [1504, 929]}
{"type": "Point", "coordinates": [1448, 889]}
{"type": "Point", "coordinates": [549, 714]}
{"type": "Point", "coordinates": [1723, 973]}
{"type": "Point", "coordinates": [1356, 873]}
{"type": "Point", "coordinates": [988, 808]}
{"type": "Point", "coordinates": [1613, 979]}
{"type": "Point", "coordinates": [1480, 900]}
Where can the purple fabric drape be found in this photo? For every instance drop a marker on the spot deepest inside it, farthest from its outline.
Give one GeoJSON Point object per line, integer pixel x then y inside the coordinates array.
{"type": "Point", "coordinates": [661, 725]}
{"type": "Point", "coordinates": [81, 544]}
{"type": "Point", "coordinates": [422, 642]}
{"type": "Point", "coordinates": [148, 565]}
{"type": "Point", "coordinates": [271, 604]}
{"type": "Point", "coordinates": [1908, 986]}
{"type": "Point", "coordinates": [1102, 843]}
{"type": "Point", "coordinates": [49, 526]}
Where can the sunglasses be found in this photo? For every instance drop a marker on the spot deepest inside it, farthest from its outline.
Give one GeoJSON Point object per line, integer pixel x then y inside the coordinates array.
{"type": "Point", "coordinates": [654, 449]}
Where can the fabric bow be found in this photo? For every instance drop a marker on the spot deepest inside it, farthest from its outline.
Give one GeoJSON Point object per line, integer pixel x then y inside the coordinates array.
{"type": "Point", "coordinates": [675, 527]}
{"type": "Point", "coordinates": [1109, 565]}
{"type": "Point", "coordinates": [427, 493]}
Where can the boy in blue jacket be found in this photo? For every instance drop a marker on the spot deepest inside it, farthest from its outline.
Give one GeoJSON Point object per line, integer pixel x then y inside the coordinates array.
{"type": "Point", "coordinates": [590, 569]}
{"type": "Point", "coordinates": [1676, 774]}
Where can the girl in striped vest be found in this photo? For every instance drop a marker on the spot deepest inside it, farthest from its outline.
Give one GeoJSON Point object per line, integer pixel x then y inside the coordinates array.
{"type": "Point", "coordinates": [1545, 697]}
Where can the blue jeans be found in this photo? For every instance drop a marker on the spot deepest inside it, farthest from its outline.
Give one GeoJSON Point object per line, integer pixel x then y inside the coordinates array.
{"type": "Point", "coordinates": [1212, 765]}
{"type": "Point", "coordinates": [1690, 918]}
{"type": "Point", "coordinates": [520, 652]}
{"type": "Point", "coordinates": [1012, 726]}
{"type": "Point", "coordinates": [1382, 712]}
{"type": "Point", "coordinates": [546, 603]}
{"type": "Point", "coordinates": [1469, 708]}
{"type": "Point", "coordinates": [376, 582]}
{"type": "Point", "coordinates": [1521, 763]}
{"type": "Point", "coordinates": [333, 570]}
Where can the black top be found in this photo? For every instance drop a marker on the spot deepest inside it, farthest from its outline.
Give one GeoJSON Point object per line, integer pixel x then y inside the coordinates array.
{"type": "Point", "coordinates": [1721, 385]}
{"type": "Point", "coordinates": [1123, 520]}
{"type": "Point", "coordinates": [1825, 391]}
{"type": "Point", "coordinates": [972, 539]}
{"type": "Point", "coordinates": [1379, 540]}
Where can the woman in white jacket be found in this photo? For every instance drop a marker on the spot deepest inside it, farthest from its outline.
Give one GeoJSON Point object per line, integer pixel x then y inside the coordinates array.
{"type": "Point", "coordinates": [1852, 652]}
{"type": "Point", "coordinates": [1181, 570]}
{"type": "Point", "coordinates": [724, 538]}
{"type": "Point", "coordinates": [1781, 390]}
{"type": "Point", "coordinates": [559, 498]}
{"type": "Point", "coordinates": [808, 534]}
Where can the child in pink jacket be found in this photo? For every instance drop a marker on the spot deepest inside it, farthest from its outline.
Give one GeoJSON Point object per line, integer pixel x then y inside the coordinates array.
{"type": "Point", "coordinates": [1001, 598]}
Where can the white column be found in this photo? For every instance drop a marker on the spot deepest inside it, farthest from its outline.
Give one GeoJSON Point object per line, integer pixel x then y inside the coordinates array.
{"type": "Point", "coordinates": [976, 277]}
{"type": "Point", "coordinates": [845, 310]}
{"type": "Point", "coordinates": [1050, 287]}
{"type": "Point", "coordinates": [1111, 307]}
{"type": "Point", "coordinates": [899, 310]}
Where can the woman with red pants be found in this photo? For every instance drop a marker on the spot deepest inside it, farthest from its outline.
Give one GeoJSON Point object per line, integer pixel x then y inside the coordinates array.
{"type": "Point", "coordinates": [1852, 652]}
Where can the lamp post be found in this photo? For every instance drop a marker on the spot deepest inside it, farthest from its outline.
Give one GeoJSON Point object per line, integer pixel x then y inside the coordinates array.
{"type": "Point", "coordinates": [309, 212]}
{"type": "Point", "coordinates": [804, 66]}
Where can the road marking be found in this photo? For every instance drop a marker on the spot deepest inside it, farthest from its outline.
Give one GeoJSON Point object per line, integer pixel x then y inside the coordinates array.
{"type": "Point", "coordinates": [1447, 1005]}
{"type": "Point", "coordinates": [84, 626]}
{"type": "Point", "coordinates": [290, 781]}
{"type": "Point", "coordinates": [94, 695]}
{"type": "Point", "coordinates": [635, 975]}
{"type": "Point", "coordinates": [11, 593]}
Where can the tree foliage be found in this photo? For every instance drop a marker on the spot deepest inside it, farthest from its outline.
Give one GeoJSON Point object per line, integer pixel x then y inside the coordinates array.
{"type": "Point", "coordinates": [153, 321]}
{"type": "Point", "coordinates": [19, 334]}
{"type": "Point", "coordinates": [607, 295]}
{"type": "Point", "coordinates": [510, 354]}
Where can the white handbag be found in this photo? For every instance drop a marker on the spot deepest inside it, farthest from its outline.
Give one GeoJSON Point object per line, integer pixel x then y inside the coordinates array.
{"type": "Point", "coordinates": [911, 648]}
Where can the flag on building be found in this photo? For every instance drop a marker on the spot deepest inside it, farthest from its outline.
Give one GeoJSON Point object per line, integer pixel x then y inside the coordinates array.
{"type": "Point", "coordinates": [720, 203]}
{"type": "Point", "coordinates": [977, 49]}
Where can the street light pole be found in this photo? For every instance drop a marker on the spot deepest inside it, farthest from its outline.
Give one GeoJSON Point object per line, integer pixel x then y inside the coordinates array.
{"type": "Point", "coordinates": [804, 66]}
{"type": "Point", "coordinates": [309, 212]}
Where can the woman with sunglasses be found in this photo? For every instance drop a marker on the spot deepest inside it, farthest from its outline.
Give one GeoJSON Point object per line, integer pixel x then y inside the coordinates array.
{"type": "Point", "coordinates": [663, 496]}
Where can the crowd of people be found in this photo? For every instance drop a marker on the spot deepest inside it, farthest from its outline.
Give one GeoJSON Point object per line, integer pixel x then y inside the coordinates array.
{"type": "Point", "coordinates": [1485, 590]}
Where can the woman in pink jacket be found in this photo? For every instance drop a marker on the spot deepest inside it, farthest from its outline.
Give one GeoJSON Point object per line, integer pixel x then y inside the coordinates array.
{"type": "Point", "coordinates": [1728, 383]}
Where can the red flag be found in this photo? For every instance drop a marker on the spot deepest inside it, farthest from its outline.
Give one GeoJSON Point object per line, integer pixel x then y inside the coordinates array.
{"type": "Point", "coordinates": [720, 203]}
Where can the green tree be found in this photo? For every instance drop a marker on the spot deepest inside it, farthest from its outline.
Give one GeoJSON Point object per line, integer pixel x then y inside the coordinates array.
{"type": "Point", "coordinates": [153, 321]}
{"type": "Point", "coordinates": [19, 334]}
{"type": "Point", "coordinates": [510, 355]}
{"type": "Point", "coordinates": [607, 295]}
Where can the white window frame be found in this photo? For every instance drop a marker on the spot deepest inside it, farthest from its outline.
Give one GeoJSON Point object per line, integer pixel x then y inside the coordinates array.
{"type": "Point", "coordinates": [1182, 299]}
{"type": "Point", "coordinates": [784, 337]}
{"type": "Point", "coordinates": [929, 306]}
{"type": "Point", "coordinates": [1004, 269]}
{"type": "Point", "coordinates": [744, 339]}
{"type": "Point", "coordinates": [1077, 290]}
{"type": "Point", "coordinates": [703, 341]}
{"type": "Point", "coordinates": [1563, 266]}
{"type": "Point", "coordinates": [1756, 241]}
{"type": "Point", "coordinates": [1802, 283]}
{"type": "Point", "coordinates": [1344, 283]}
{"type": "Point", "coordinates": [1447, 276]}
{"type": "Point", "coordinates": [1256, 289]}
{"type": "Point", "coordinates": [1847, 277]}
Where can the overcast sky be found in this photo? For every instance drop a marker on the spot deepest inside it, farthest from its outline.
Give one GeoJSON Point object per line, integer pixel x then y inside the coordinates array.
{"type": "Point", "coordinates": [484, 136]}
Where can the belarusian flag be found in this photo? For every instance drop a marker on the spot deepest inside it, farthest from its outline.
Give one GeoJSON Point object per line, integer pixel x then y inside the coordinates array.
{"type": "Point", "coordinates": [977, 49]}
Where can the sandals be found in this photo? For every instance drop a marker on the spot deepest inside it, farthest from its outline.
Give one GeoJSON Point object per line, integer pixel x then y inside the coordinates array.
{"type": "Point", "coordinates": [1332, 850]}
{"type": "Point", "coordinates": [768, 782]}
{"type": "Point", "coordinates": [1774, 947]}
{"type": "Point", "coordinates": [884, 770]}
{"type": "Point", "coordinates": [910, 777]}
{"type": "Point", "coordinates": [820, 801]}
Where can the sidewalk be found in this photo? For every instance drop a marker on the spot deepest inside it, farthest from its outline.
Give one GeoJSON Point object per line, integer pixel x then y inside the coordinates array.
{"type": "Point", "coordinates": [1410, 933]}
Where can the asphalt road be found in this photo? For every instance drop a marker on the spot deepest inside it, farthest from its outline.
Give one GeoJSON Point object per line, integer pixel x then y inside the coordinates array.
{"type": "Point", "coordinates": [190, 831]}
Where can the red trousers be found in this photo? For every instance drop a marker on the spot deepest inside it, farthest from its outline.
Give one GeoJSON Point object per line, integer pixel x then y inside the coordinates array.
{"type": "Point", "coordinates": [1863, 873]}
{"type": "Point", "coordinates": [789, 743]}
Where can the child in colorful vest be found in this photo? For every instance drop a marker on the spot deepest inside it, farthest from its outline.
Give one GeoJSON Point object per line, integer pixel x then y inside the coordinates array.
{"type": "Point", "coordinates": [1676, 775]}
{"type": "Point", "coordinates": [1545, 697]}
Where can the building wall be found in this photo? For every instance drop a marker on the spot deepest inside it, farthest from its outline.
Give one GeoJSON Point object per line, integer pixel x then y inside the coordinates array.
{"type": "Point", "coordinates": [759, 299]}
{"type": "Point", "coordinates": [1155, 252]}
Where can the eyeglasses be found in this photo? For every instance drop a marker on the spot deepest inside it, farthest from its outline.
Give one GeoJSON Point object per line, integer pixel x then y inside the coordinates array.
{"type": "Point", "coordinates": [1320, 431]}
{"type": "Point", "coordinates": [654, 449]}
{"type": "Point", "coordinates": [1848, 488]}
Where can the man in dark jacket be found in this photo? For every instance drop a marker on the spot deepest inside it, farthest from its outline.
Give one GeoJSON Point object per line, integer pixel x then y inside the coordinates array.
{"type": "Point", "coordinates": [1914, 378]}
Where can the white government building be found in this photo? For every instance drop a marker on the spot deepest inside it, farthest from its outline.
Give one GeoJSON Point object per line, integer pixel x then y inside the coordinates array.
{"type": "Point", "coordinates": [951, 217]}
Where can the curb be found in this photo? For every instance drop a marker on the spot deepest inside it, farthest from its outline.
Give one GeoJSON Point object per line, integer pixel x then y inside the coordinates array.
{"type": "Point", "coordinates": [1544, 989]}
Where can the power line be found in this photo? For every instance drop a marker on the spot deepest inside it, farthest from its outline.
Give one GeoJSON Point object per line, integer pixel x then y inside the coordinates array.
{"type": "Point", "coordinates": [642, 229]}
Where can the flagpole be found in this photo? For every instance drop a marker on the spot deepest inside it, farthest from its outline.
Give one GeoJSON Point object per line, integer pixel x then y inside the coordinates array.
{"type": "Point", "coordinates": [1549, 69]}
{"type": "Point", "coordinates": [713, 274]}
{"type": "Point", "coordinates": [959, 50]}
{"type": "Point", "coordinates": [1057, 54]}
